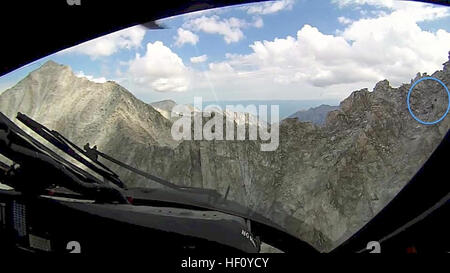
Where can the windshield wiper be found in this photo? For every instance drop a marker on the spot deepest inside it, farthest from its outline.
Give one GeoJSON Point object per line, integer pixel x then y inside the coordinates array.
{"type": "Point", "coordinates": [66, 146]}
{"type": "Point", "coordinates": [28, 141]}
{"type": "Point", "coordinates": [94, 153]}
{"type": "Point", "coordinates": [36, 168]}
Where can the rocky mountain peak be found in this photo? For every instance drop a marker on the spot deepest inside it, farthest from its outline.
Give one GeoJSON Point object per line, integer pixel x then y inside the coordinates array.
{"type": "Point", "coordinates": [84, 110]}
{"type": "Point", "coordinates": [356, 100]}
{"type": "Point", "coordinates": [51, 63]}
{"type": "Point", "coordinates": [330, 180]}
{"type": "Point", "coordinates": [382, 86]}
{"type": "Point", "coordinates": [50, 67]}
{"type": "Point", "coordinates": [447, 63]}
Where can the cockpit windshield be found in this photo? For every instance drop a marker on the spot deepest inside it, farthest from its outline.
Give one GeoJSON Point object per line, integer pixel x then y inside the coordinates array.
{"type": "Point", "coordinates": [313, 114]}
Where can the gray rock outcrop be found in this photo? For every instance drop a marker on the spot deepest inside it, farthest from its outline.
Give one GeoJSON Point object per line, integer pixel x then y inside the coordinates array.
{"type": "Point", "coordinates": [323, 183]}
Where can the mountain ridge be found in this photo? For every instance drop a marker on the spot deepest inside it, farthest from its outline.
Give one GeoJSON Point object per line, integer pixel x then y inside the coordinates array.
{"type": "Point", "coordinates": [316, 115]}
{"type": "Point", "coordinates": [323, 182]}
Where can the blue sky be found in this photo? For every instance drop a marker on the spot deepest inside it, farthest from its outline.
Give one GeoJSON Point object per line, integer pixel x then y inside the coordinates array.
{"type": "Point", "coordinates": [278, 50]}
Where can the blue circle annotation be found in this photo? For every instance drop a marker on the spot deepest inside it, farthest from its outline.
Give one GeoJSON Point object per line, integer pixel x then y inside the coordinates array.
{"type": "Point", "coordinates": [409, 106]}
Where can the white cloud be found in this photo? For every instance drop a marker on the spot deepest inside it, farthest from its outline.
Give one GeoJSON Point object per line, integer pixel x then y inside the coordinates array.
{"type": "Point", "coordinates": [185, 36]}
{"type": "Point", "coordinates": [199, 59]}
{"type": "Point", "coordinates": [344, 20]}
{"type": "Point", "coordinates": [376, 3]}
{"type": "Point", "coordinates": [269, 7]}
{"type": "Point", "coordinates": [222, 67]}
{"type": "Point", "coordinates": [423, 11]}
{"type": "Point", "coordinates": [109, 44]}
{"type": "Point", "coordinates": [81, 74]}
{"type": "Point", "coordinates": [258, 23]}
{"type": "Point", "coordinates": [308, 64]}
{"type": "Point", "coordinates": [391, 46]}
{"type": "Point", "coordinates": [230, 28]}
{"type": "Point", "coordinates": [207, 12]}
{"type": "Point", "coordinates": [159, 69]}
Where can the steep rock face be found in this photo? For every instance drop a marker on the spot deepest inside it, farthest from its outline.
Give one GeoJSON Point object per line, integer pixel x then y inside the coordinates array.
{"type": "Point", "coordinates": [83, 111]}
{"type": "Point", "coordinates": [379, 146]}
{"type": "Point", "coordinates": [322, 183]}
